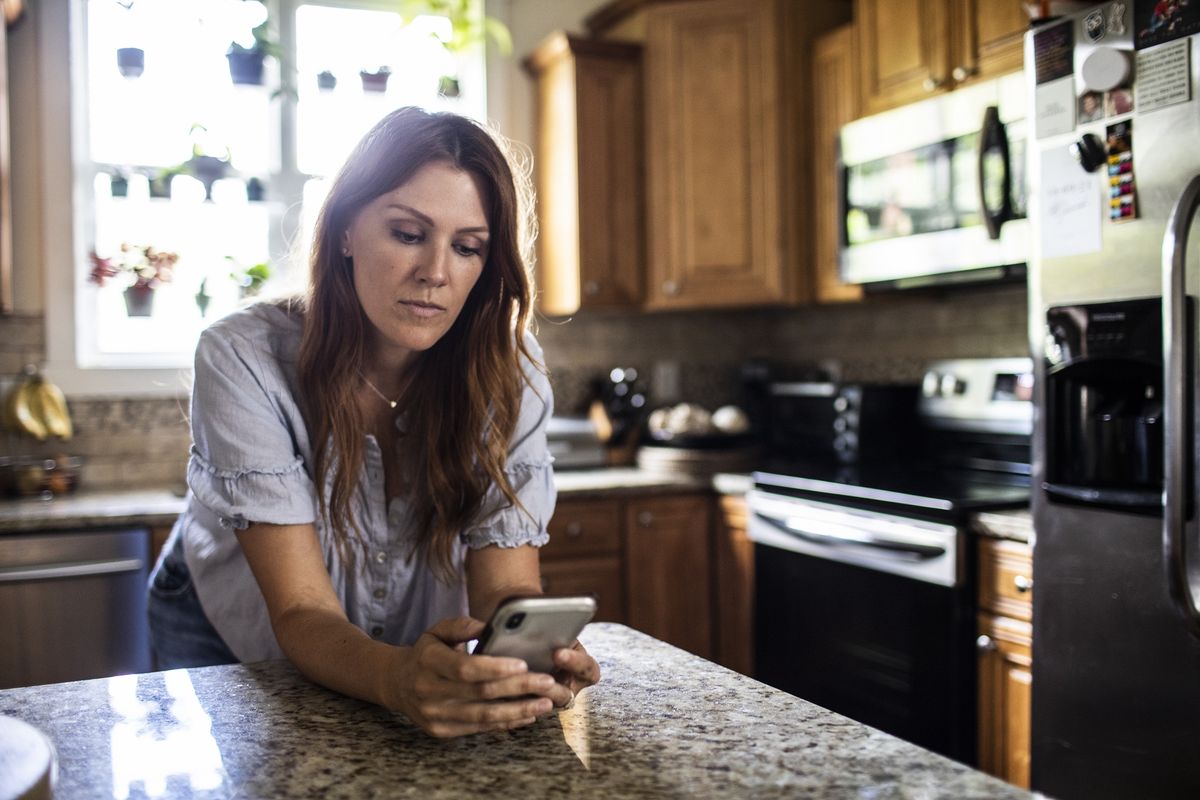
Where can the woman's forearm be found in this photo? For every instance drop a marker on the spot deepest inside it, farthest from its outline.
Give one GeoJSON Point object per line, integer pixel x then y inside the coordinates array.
{"type": "Point", "coordinates": [331, 651]}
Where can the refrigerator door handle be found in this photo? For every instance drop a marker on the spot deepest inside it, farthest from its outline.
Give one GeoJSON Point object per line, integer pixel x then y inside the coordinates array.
{"type": "Point", "coordinates": [994, 137]}
{"type": "Point", "coordinates": [1175, 411]}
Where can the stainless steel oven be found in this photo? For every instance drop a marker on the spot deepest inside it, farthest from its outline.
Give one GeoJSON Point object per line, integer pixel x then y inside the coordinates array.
{"type": "Point", "coordinates": [865, 571]}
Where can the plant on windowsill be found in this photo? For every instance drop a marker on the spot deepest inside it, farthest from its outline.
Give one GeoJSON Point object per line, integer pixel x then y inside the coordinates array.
{"type": "Point", "coordinates": [467, 30]}
{"type": "Point", "coordinates": [375, 81]}
{"type": "Point", "coordinates": [143, 267]}
{"type": "Point", "coordinates": [246, 62]}
{"type": "Point", "coordinates": [326, 81]}
{"type": "Point", "coordinates": [250, 279]}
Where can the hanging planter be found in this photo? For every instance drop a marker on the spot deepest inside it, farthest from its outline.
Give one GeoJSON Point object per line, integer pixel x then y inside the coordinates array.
{"type": "Point", "coordinates": [139, 300]}
{"type": "Point", "coordinates": [255, 191]}
{"type": "Point", "coordinates": [326, 81]}
{"type": "Point", "coordinates": [131, 61]}
{"type": "Point", "coordinates": [245, 66]}
{"type": "Point", "coordinates": [375, 81]}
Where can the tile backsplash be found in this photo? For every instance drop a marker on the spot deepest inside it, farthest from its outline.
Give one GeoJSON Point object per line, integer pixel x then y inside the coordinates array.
{"type": "Point", "coordinates": [143, 443]}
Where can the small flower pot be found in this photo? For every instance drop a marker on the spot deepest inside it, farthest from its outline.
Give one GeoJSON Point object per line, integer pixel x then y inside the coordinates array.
{"type": "Point", "coordinates": [118, 186]}
{"type": "Point", "coordinates": [374, 81]}
{"type": "Point", "coordinates": [245, 67]}
{"type": "Point", "coordinates": [255, 191]}
{"type": "Point", "coordinates": [208, 170]}
{"type": "Point", "coordinates": [139, 301]}
{"type": "Point", "coordinates": [326, 81]}
{"type": "Point", "coordinates": [131, 61]}
{"type": "Point", "coordinates": [448, 86]}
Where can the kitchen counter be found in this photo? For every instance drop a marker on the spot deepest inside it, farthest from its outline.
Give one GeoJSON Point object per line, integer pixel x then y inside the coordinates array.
{"type": "Point", "coordinates": [1015, 525]}
{"type": "Point", "coordinates": [662, 723]}
{"type": "Point", "coordinates": [88, 509]}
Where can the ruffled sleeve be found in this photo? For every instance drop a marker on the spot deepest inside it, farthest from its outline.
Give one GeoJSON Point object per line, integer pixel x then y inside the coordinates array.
{"type": "Point", "coordinates": [529, 470]}
{"type": "Point", "coordinates": [245, 463]}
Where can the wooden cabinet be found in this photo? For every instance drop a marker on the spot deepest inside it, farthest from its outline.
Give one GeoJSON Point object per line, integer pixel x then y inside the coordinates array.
{"type": "Point", "coordinates": [729, 194]}
{"type": "Point", "coordinates": [588, 174]}
{"type": "Point", "coordinates": [668, 570]}
{"type": "Point", "coordinates": [583, 555]}
{"type": "Point", "coordinates": [648, 561]}
{"type": "Point", "coordinates": [835, 103]}
{"type": "Point", "coordinates": [733, 586]}
{"type": "Point", "coordinates": [912, 49]}
{"type": "Point", "coordinates": [1005, 658]}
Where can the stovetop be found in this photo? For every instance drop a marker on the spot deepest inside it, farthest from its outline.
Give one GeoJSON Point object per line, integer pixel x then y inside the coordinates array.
{"type": "Point", "coordinates": [926, 489]}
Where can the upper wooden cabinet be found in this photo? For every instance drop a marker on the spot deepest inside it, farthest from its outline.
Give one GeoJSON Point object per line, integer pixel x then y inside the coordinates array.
{"type": "Point", "coordinates": [912, 49]}
{"type": "Point", "coordinates": [835, 100]}
{"type": "Point", "coordinates": [588, 174]}
{"type": "Point", "coordinates": [728, 131]}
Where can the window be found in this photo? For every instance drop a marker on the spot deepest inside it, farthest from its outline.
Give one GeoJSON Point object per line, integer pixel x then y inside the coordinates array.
{"type": "Point", "coordinates": [222, 172]}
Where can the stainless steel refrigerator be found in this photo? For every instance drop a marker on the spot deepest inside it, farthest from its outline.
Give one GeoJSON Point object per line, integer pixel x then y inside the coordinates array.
{"type": "Point", "coordinates": [1114, 169]}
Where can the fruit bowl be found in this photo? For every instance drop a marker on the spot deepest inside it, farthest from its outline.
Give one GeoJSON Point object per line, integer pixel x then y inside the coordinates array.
{"type": "Point", "coordinates": [39, 477]}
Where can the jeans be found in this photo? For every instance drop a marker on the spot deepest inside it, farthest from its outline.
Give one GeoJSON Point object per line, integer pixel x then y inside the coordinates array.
{"type": "Point", "coordinates": [179, 632]}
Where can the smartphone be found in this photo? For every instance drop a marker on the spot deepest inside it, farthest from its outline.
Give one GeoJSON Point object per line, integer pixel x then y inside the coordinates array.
{"type": "Point", "coordinates": [533, 627]}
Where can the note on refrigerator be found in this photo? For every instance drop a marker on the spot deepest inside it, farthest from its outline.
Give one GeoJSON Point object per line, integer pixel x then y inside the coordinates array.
{"type": "Point", "coordinates": [1070, 211]}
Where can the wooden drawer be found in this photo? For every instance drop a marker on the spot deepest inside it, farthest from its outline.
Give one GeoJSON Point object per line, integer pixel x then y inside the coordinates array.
{"type": "Point", "coordinates": [584, 528]}
{"type": "Point", "coordinates": [598, 576]}
{"type": "Point", "coordinates": [1006, 578]}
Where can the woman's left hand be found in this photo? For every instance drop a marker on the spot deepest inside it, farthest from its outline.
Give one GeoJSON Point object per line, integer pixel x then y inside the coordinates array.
{"type": "Point", "coordinates": [576, 670]}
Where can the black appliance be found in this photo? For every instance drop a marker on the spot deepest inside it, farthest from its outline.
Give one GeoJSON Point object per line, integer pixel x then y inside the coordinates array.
{"type": "Point", "coordinates": [864, 583]}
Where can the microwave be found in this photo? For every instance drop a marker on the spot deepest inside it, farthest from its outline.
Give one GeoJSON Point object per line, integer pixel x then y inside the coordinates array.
{"type": "Point", "coordinates": [934, 193]}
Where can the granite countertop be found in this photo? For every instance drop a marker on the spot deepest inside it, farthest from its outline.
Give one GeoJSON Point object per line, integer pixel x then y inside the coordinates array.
{"type": "Point", "coordinates": [661, 723]}
{"type": "Point", "coordinates": [86, 508]}
{"type": "Point", "coordinates": [1016, 525]}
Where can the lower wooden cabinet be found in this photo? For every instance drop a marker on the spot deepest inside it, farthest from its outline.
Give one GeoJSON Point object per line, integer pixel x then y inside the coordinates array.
{"type": "Point", "coordinates": [1005, 647]}
{"type": "Point", "coordinates": [583, 555]}
{"type": "Point", "coordinates": [679, 567]}
{"type": "Point", "coordinates": [733, 586]}
{"type": "Point", "coordinates": [668, 570]}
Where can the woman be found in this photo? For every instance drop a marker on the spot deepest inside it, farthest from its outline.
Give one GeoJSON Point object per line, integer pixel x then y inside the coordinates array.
{"type": "Point", "coordinates": [370, 465]}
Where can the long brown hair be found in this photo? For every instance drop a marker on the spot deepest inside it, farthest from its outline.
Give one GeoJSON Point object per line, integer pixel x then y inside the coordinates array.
{"type": "Point", "coordinates": [463, 399]}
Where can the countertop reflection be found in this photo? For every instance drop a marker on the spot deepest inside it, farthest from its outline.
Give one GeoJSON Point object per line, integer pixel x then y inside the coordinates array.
{"type": "Point", "coordinates": [662, 723]}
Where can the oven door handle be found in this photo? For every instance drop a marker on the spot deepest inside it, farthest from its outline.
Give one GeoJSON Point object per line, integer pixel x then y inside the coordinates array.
{"type": "Point", "coordinates": [833, 535]}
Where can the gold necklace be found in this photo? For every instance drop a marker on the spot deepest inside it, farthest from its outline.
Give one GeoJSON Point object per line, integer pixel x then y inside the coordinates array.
{"type": "Point", "coordinates": [375, 389]}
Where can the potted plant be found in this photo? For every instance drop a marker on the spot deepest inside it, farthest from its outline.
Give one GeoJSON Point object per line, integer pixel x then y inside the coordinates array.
{"type": "Point", "coordinates": [375, 81]}
{"type": "Point", "coordinates": [118, 183]}
{"type": "Point", "coordinates": [467, 29]}
{"type": "Point", "coordinates": [144, 267]}
{"type": "Point", "coordinates": [203, 166]}
{"type": "Point", "coordinates": [246, 62]}
{"type": "Point", "coordinates": [131, 61]}
{"type": "Point", "coordinates": [326, 81]}
{"type": "Point", "coordinates": [250, 279]}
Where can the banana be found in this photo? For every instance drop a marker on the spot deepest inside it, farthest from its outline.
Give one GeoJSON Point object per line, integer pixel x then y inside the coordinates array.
{"type": "Point", "coordinates": [56, 416]}
{"type": "Point", "coordinates": [38, 408]}
{"type": "Point", "coordinates": [24, 414]}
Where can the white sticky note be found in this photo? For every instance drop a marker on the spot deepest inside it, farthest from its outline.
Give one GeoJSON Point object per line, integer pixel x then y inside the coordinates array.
{"type": "Point", "coordinates": [1055, 107]}
{"type": "Point", "coordinates": [1069, 212]}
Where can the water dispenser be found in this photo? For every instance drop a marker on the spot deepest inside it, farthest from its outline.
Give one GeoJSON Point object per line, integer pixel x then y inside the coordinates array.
{"type": "Point", "coordinates": [1104, 399]}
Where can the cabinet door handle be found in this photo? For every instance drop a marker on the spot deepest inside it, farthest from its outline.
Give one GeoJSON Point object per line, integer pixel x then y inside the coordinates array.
{"type": "Point", "coordinates": [591, 288]}
{"type": "Point", "coordinates": [985, 643]}
{"type": "Point", "coordinates": [670, 288]}
{"type": "Point", "coordinates": [960, 74]}
{"type": "Point", "coordinates": [933, 84]}
{"type": "Point", "coordinates": [1022, 583]}
{"type": "Point", "coordinates": [574, 529]}
{"type": "Point", "coordinates": [78, 569]}
{"type": "Point", "coordinates": [645, 519]}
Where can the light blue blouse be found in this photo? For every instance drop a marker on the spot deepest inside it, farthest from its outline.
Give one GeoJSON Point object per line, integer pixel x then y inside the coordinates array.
{"type": "Point", "coordinates": [251, 461]}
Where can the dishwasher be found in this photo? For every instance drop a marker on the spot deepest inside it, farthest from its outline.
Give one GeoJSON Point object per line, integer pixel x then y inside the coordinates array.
{"type": "Point", "coordinates": [73, 606]}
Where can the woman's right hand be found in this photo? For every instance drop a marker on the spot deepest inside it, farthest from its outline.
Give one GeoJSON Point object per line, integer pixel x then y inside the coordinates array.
{"type": "Point", "coordinates": [447, 692]}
